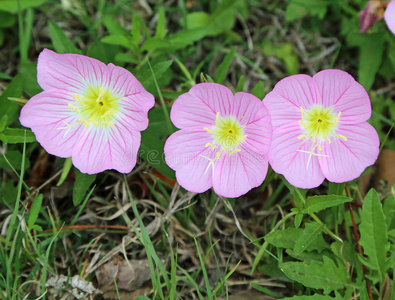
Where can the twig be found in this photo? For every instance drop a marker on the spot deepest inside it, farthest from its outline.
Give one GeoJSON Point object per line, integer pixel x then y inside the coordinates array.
{"type": "Point", "coordinates": [358, 245]}
{"type": "Point", "coordinates": [83, 227]}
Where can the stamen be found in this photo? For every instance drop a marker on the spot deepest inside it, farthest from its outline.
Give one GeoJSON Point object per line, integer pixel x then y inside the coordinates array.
{"type": "Point", "coordinates": [77, 98]}
{"type": "Point", "coordinates": [234, 151]}
{"type": "Point", "coordinates": [86, 123]}
{"type": "Point", "coordinates": [328, 140]}
{"type": "Point", "coordinates": [301, 108]}
{"type": "Point", "coordinates": [94, 122]}
{"type": "Point", "coordinates": [68, 127]}
{"type": "Point", "coordinates": [337, 119]}
{"type": "Point", "coordinates": [109, 123]}
{"type": "Point", "coordinates": [100, 95]}
{"type": "Point", "coordinates": [108, 112]}
{"type": "Point", "coordinates": [319, 147]}
{"type": "Point", "coordinates": [208, 130]}
{"type": "Point", "coordinates": [341, 136]}
{"type": "Point", "coordinates": [216, 118]}
{"type": "Point", "coordinates": [302, 136]}
{"type": "Point", "coordinates": [208, 144]}
{"type": "Point", "coordinates": [214, 147]}
{"type": "Point", "coordinates": [240, 139]}
{"type": "Point", "coordinates": [73, 108]}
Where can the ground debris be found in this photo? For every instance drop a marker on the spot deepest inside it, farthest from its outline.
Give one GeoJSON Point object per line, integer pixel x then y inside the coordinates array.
{"type": "Point", "coordinates": [128, 275]}
{"type": "Point", "coordinates": [70, 288]}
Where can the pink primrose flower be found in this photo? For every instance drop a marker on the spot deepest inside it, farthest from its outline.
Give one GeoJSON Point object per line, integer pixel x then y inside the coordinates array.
{"type": "Point", "coordinates": [389, 16]}
{"type": "Point", "coordinates": [223, 141]}
{"type": "Point", "coordinates": [372, 13]}
{"type": "Point", "coordinates": [89, 111]}
{"type": "Point", "coordinates": [320, 129]}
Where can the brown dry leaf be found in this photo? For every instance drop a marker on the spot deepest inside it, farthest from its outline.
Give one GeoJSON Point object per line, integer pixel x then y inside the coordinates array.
{"type": "Point", "coordinates": [129, 275]}
{"type": "Point", "coordinates": [386, 169]}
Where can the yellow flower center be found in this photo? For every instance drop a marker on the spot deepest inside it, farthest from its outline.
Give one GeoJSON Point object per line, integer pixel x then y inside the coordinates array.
{"type": "Point", "coordinates": [319, 123]}
{"type": "Point", "coordinates": [95, 106]}
{"type": "Point", "coordinates": [227, 135]}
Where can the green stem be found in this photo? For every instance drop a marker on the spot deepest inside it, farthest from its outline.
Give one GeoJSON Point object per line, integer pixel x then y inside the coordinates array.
{"type": "Point", "coordinates": [162, 102]}
{"type": "Point", "coordinates": [326, 229]}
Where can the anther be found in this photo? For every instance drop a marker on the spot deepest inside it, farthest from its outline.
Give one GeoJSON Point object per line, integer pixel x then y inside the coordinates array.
{"type": "Point", "coordinates": [337, 119]}
{"type": "Point", "coordinates": [208, 144]}
{"type": "Point", "coordinates": [234, 151]}
{"type": "Point", "coordinates": [86, 123]}
{"type": "Point", "coordinates": [73, 108]}
{"type": "Point", "coordinates": [341, 136]}
{"type": "Point", "coordinates": [208, 130]}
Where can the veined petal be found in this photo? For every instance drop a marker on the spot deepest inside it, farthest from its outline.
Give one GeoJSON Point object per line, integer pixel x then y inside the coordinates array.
{"type": "Point", "coordinates": [236, 174]}
{"type": "Point", "coordinates": [288, 96]}
{"type": "Point", "coordinates": [71, 72]}
{"type": "Point", "coordinates": [55, 126]}
{"type": "Point", "coordinates": [299, 167]}
{"type": "Point", "coordinates": [134, 110]}
{"type": "Point", "coordinates": [187, 154]}
{"type": "Point", "coordinates": [102, 148]}
{"type": "Point", "coordinates": [389, 16]}
{"type": "Point", "coordinates": [124, 84]}
{"type": "Point", "coordinates": [340, 91]}
{"type": "Point", "coordinates": [259, 134]}
{"type": "Point", "coordinates": [348, 159]}
{"type": "Point", "coordinates": [247, 108]}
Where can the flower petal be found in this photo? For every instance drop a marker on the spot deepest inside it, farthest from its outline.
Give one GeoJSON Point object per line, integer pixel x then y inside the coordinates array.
{"type": "Point", "coordinates": [48, 116]}
{"type": "Point", "coordinates": [389, 16]}
{"type": "Point", "coordinates": [198, 108]}
{"type": "Point", "coordinates": [340, 90]}
{"type": "Point", "coordinates": [259, 135]}
{"type": "Point", "coordinates": [71, 72]}
{"type": "Point", "coordinates": [300, 168]}
{"type": "Point", "coordinates": [185, 152]}
{"type": "Point", "coordinates": [100, 148]}
{"type": "Point", "coordinates": [236, 174]}
{"type": "Point", "coordinates": [288, 96]}
{"type": "Point", "coordinates": [348, 159]}
{"type": "Point", "coordinates": [134, 110]}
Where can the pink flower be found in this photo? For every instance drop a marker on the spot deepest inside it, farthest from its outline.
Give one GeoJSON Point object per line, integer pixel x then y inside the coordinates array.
{"type": "Point", "coordinates": [320, 129]}
{"type": "Point", "coordinates": [389, 16]}
{"type": "Point", "coordinates": [371, 14]}
{"type": "Point", "coordinates": [223, 141]}
{"type": "Point", "coordinates": [88, 110]}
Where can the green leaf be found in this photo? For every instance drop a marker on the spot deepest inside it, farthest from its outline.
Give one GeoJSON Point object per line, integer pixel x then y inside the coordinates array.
{"type": "Point", "coordinates": [223, 68]}
{"type": "Point", "coordinates": [374, 239]}
{"type": "Point", "coordinates": [309, 234]}
{"type": "Point", "coordinates": [151, 150]}
{"type": "Point", "coordinates": [3, 123]}
{"type": "Point", "coordinates": [7, 107]}
{"type": "Point", "coordinates": [317, 203]}
{"type": "Point", "coordinates": [66, 170]}
{"type": "Point", "coordinates": [161, 31]}
{"type": "Point", "coordinates": [371, 50]}
{"type": "Point", "coordinates": [103, 52]}
{"type": "Point", "coordinates": [81, 185]}
{"type": "Point", "coordinates": [259, 90]}
{"type": "Point", "coordinates": [314, 297]}
{"type": "Point", "coordinates": [299, 194]}
{"type": "Point", "coordinates": [117, 39]}
{"type": "Point", "coordinates": [29, 73]}
{"type": "Point", "coordinates": [287, 239]}
{"type": "Point", "coordinates": [16, 136]}
{"type": "Point", "coordinates": [34, 211]}
{"type": "Point", "coordinates": [240, 84]}
{"type": "Point", "coordinates": [135, 30]}
{"type": "Point", "coordinates": [297, 9]}
{"type": "Point", "coordinates": [7, 19]}
{"type": "Point", "coordinates": [389, 212]}
{"type": "Point", "coordinates": [318, 275]}
{"type": "Point", "coordinates": [146, 76]}
{"type": "Point", "coordinates": [13, 6]}
{"type": "Point", "coordinates": [14, 158]}
{"type": "Point", "coordinates": [60, 41]}
{"type": "Point", "coordinates": [298, 219]}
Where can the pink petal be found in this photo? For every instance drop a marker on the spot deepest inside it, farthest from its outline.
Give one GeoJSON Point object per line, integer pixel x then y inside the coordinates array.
{"type": "Point", "coordinates": [134, 110]}
{"type": "Point", "coordinates": [247, 108]}
{"type": "Point", "coordinates": [259, 134]}
{"type": "Point", "coordinates": [288, 96]}
{"type": "Point", "coordinates": [124, 84]}
{"type": "Point", "coordinates": [100, 149]}
{"type": "Point", "coordinates": [348, 159]}
{"type": "Point", "coordinates": [184, 153]}
{"type": "Point", "coordinates": [389, 16]}
{"type": "Point", "coordinates": [71, 72]}
{"type": "Point", "coordinates": [46, 113]}
{"type": "Point", "coordinates": [340, 90]}
{"type": "Point", "coordinates": [238, 173]}
{"type": "Point", "coordinates": [285, 158]}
